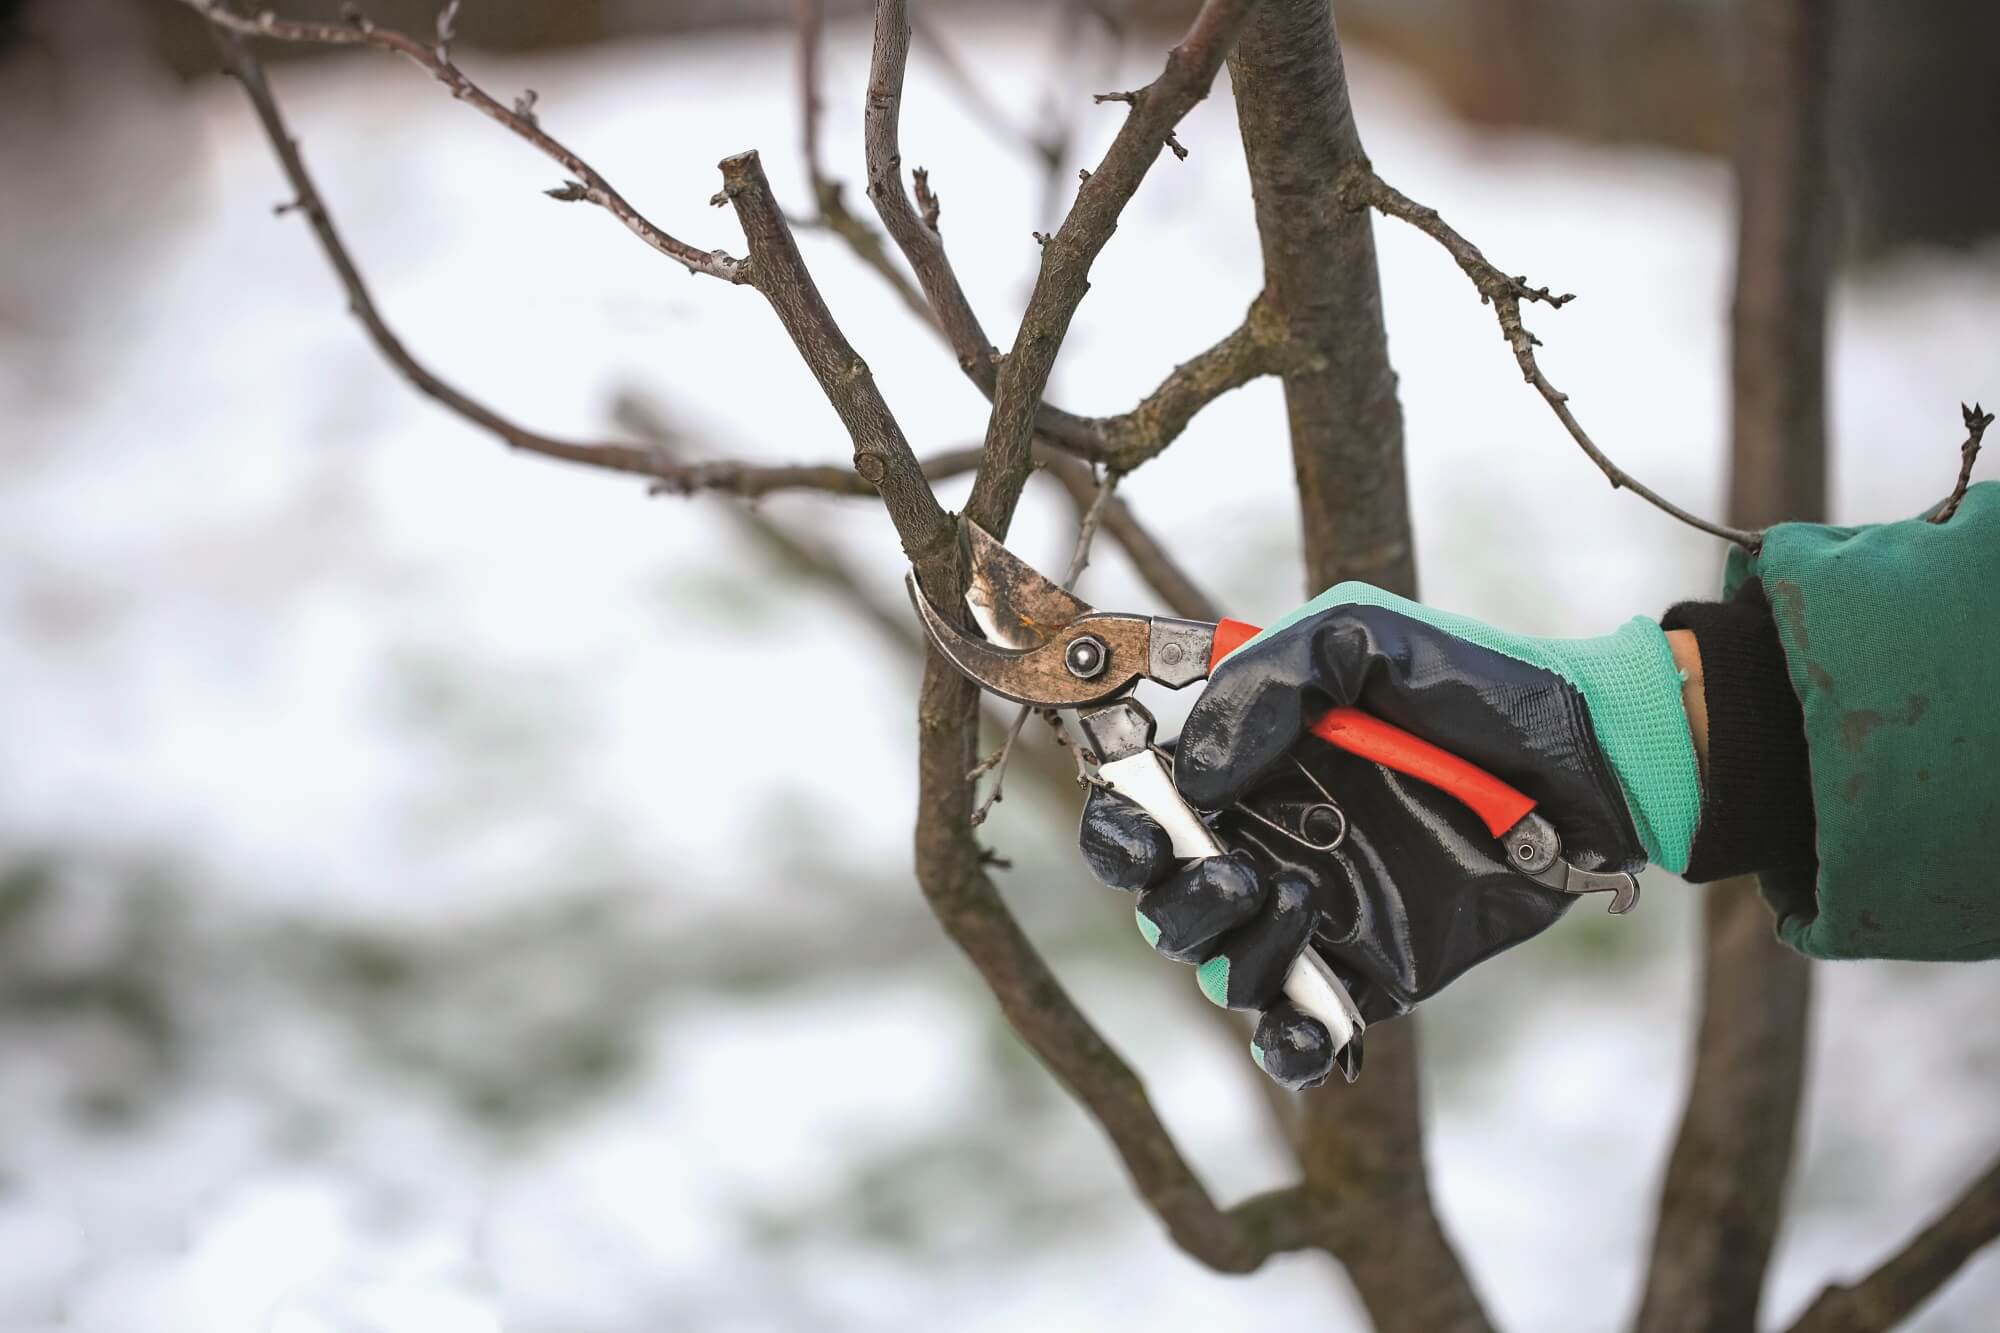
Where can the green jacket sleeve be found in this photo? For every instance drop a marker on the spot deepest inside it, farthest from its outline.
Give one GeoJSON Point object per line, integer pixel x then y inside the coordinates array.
{"type": "Point", "coordinates": [1891, 633]}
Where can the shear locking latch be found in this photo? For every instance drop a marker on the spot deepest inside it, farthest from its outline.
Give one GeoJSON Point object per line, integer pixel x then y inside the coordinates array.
{"type": "Point", "coordinates": [1535, 849]}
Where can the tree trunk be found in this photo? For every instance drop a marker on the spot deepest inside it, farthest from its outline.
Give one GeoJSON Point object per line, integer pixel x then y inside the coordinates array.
{"type": "Point", "coordinates": [1320, 279]}
{"type": "Point", "coordinates": [1723, 1197]}
{"type": "Point", "coordinates": [1361, 1146]}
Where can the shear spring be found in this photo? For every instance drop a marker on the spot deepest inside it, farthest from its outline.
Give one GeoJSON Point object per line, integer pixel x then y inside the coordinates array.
{"type": "Point", "coordinates": [1325, 807]}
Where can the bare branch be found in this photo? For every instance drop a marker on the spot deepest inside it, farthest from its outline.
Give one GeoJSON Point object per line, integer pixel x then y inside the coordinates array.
{"type": "Point", "coordinates": [951, 867]}
{"type": "Point", "coordinates": [1362, 187]}
{"type": "Point", "coordinates": [829, 194]}
{"type": "Point", "coordinates": [1064, 276]}
{"type": "Point", "coordinates": [1253, 349]}
{"type": "Point", "coordinates": [1895, 1291]}
{"type": "Point", "coordinates": [817, 561]}
{"type": "Point", "coordinates": [1976, 422]}
{"type": "Point", "coordinates": [588, 184]}
{"type": "Point", "coordinates": [881, 453]}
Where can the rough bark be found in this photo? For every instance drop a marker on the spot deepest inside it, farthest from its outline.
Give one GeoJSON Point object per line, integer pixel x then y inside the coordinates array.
{"type": "Point", "coordinates": [1322, 285]}
{"type": "Point", "coordinates": [1361, 1146]}
{"type": "Point", "coordinates": [1784, 250]}
{"type": "Point", "coordinates": [1725, 1184]}
{"type": "Point", "coordinates": [1724, 1192]}
{"type": "Point", "coordinates": [1899, 1288]}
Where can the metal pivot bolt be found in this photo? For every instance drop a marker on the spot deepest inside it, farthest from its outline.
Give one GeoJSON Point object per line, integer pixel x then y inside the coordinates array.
{"type": "Point", "coordinates": [1086, 656]}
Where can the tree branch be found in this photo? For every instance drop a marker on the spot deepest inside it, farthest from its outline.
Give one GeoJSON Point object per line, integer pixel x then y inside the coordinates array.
{"type": "Point", "coordinates": [882, 456]}
{"type": "Point", "coordinates": [1723, 1193]}
{"type": "Point", "coordinates": [1894, 1291]}
{"type": "Point", "coordinates": [435, 58]}
{"type": "Point", "coordinates": [829, 194]}
{"type": "Point", "coordinates": [741, 479]}
{"type": "Point", "coordinates": [1976, 421]}
{"type": "Point", "coordinates": [1362, 187]}
{"type": "Point", "coordinates": [950, 864]}
{"type": "Point", "coordinates": [1064, 276]}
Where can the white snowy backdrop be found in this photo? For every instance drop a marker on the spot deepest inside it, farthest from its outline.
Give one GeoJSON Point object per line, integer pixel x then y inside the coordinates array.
{"type": "Point", "coordinates": [443, 890]}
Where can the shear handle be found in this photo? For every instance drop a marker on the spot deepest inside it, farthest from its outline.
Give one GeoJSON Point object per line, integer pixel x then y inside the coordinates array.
{"type": "Point", "coordinates": [1499, 806]}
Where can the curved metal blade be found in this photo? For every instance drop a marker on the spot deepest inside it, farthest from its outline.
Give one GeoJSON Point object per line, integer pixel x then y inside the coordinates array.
{"type": "Point", "coordinates": [1041, 676]}
{"type": "Point", "coordinates": [1014, 603]}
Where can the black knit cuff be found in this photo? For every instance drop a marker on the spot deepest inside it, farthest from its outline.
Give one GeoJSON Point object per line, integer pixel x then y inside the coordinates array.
{"type": "Point", "coordinates": [1756, 807]}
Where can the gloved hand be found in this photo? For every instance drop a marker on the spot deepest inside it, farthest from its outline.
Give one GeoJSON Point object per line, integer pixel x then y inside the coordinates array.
{"type": "Point", "coordinates": [1418, 890]}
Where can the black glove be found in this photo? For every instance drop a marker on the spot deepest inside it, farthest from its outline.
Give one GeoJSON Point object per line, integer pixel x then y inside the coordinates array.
{"type": "Point", "coordinates": [1419, 889]}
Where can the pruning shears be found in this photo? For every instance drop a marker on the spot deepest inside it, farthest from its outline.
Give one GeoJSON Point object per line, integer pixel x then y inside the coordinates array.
{"type": "Point", "coordinates": [1045, 647]}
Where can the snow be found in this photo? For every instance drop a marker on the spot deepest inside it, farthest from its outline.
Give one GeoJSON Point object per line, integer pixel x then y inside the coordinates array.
{"type": "Point", "coordinates": [518, 861]}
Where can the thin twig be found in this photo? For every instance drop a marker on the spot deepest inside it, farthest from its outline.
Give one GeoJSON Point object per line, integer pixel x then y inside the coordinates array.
{"type": "Point", "coordinates": [1079, 560]}
{"type": "Point", "coordinates": [1174, 586]}
{"type": "Point", "coordinates": [586, 185]}
{"type": "Point", "coordinates": [1895, 1290]}
{"type": "Point", "coordinates": [1976, 422]}
{"type": "Point", "coordinates": [982, 106]}
{"type": "Point", "coordinates": [829, 193]}
{"type": "Point", "coordinates": [1363, 188]}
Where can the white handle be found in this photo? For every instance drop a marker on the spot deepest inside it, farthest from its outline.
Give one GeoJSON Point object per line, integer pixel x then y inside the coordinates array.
{"type": "Point", "coordinates": [1143, 777]}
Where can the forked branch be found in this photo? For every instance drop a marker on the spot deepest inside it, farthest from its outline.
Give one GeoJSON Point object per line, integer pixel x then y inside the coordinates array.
{"type": "Point", "coordinates": [1119, 442]}
{"type": "Point", "coordinates": [1064, 276]}
{"type": "Point", "coordinates": [435, 58]}
{"type": "Point", "coordinates": [1506, 294]}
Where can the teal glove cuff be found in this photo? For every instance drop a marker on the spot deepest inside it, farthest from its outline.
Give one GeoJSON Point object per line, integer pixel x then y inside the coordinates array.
{"type": "Point", "coordinates": [1633, 690]}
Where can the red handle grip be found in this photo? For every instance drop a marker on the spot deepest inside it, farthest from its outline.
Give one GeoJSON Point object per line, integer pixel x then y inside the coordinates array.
{"type": "Point", "coordinates": [1498, 805]}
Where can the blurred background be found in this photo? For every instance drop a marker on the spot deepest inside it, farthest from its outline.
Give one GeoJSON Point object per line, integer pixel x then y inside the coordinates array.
{"type": "Point", "coordinates": [443, 890]}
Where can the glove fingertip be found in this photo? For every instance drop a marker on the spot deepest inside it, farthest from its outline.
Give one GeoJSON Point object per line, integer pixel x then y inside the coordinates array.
{"type": "Point", "coordinates": [1123, 846]}
{"type": "Point", "coordinates": [1213, 977]}
{"type": "Point", "coordinates": [1293, 1048]}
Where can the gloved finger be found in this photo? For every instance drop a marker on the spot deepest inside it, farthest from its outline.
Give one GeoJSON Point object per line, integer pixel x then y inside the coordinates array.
{"type": "Point", "coordinates": [1293, 1047]}
{"type": "Point", "coordinates": [1248, 970]}
{"type": "Point", "coordinates": [1124, 846]}
{"type": "Point", "coordinates": [1185, 913]}
{"type": "Point", "coordinates": [1253, 712]}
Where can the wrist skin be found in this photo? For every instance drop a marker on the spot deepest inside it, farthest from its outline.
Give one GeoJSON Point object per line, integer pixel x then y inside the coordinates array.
{"type": "Point", "coordinates": [1694, 697]}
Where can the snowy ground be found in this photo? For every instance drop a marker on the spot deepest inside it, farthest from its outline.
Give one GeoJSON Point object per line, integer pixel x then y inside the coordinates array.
{"type": "Point", "coordinates": [442, 890]}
